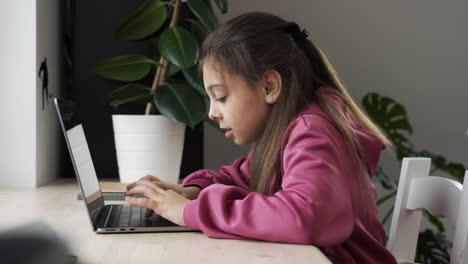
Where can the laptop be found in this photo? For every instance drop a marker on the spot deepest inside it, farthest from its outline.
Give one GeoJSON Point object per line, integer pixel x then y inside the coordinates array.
{"type": "Point", "coordinates": [112, 218]}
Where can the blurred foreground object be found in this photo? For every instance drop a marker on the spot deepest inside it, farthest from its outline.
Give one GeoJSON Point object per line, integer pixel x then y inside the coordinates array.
{"type": "Point", "coordinates": [33, 243]}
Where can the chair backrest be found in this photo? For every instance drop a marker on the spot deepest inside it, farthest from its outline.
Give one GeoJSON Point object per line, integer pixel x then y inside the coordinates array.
{"type": "Point", "coordinates": [442, 197]}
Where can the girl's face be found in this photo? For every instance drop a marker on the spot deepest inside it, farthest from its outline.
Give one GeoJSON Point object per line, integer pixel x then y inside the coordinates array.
{"type": "Point", "coordinates": [240, 109]}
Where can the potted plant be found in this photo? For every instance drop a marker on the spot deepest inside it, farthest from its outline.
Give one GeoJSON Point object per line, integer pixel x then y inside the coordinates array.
{"type": "Point", "coordinates": [174, 94]}
{"type": "Point", "coordinates": [391, 117]}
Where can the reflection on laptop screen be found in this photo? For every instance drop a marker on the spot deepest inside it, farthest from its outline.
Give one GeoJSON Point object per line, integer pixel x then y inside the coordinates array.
{"type": "Point", "coordinates": [79, 151]}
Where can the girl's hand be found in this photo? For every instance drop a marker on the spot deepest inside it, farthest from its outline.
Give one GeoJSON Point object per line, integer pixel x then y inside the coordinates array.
{"type": "Point", "coordinates": [168, 204]}
{"type": "Point", "coordinates": [190, 192]}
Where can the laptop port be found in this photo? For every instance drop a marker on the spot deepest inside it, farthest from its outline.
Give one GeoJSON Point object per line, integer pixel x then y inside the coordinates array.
{"type": "Point", "coordinates": [110, 229]}
{"type": "Point", "coordinates": [122, 229]}
{"type": "Point", "coordinates": [132, 229]}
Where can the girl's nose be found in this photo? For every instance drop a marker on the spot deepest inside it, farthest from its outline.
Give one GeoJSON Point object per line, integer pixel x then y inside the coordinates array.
{"type": "Point", "coordinates": [214, 114]}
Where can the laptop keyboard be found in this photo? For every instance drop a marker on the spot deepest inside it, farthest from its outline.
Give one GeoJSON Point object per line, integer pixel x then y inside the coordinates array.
{"type": "Point", "coordinates": [125, 215]}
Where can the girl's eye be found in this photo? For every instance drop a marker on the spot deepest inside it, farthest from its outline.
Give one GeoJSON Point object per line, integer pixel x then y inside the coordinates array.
{"type": "Point", "coordinates": [221, 99]}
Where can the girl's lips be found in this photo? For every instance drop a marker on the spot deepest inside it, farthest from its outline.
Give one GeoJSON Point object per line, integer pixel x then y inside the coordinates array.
{"type": "Point", "coordinates": [229, 133]}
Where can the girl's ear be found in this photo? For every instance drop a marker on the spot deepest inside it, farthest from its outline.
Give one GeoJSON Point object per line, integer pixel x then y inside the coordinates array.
{"type": "Point", "coordinates": [273, 84]}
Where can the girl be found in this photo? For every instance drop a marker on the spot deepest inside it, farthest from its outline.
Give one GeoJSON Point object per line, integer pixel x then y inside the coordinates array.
{"type": "Point", "coordinates": [306, 179]}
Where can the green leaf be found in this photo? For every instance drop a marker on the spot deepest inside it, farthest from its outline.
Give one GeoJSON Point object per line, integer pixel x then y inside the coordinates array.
{"type": "Point", "coordinates": [457, 170]}
{"type": "Point", "coordinates": [222, 5]}
{"type": "Point", "coordinates": [208, 4]}
{"type": "Point", "coordinates": [384, 179]}
{"type": "Point", "coordinates": [199, 31]}
{"type": "Point", "coordinates": [404, 149]}
{"type": "Point", "coordinates": [179, 102]}
{"type": "Point", "coordinates": [432, 248]}
{"type": "Point", "coordinates": [397, 110]}
{"type": "Point", "coordinates": [386, 112]}
{"type": "Point", "coordinates": [212, 123]}
{"type": "Point", "coordinates": [204, 13]}
{"type": "Point", "coordinates": [194, 79]}
{"type": "Point", "coordinates": [143, 98]}
{"type": "Point", "coordinates": [154, 54]}
{"type": "Point", "coordinates": [386, 197]}
{"type": "Point", "coordinates": [435, 221]}
{"type": "Point", "coordinates": [153, 50]}
{"type": "Point", "coordinates": [173, 70]}
{"type": "Point", "coordinates": [146, 20]}
{"type": "Point", "coordinates": [125, 68]}
{"type": "Point", "coordinates": [388, 214]}
{"type": "Point", "coordinates": [391, 117]}
{"type": "Point", "coordinates": [133, 92]}
{"type": "Point", "coordinates": [400, 124]}
{"type": "Point", "coordinates": [179, 47]}
{"type": "Point", "coordinates": [438, 161]}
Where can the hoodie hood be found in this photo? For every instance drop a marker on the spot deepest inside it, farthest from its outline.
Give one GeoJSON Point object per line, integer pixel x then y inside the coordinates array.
{"type": "Point", "coordinates": [370, 144]}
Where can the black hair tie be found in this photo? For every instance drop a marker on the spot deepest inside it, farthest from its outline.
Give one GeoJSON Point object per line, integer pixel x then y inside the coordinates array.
{"type": "Point", "coordinates": [296, 33]}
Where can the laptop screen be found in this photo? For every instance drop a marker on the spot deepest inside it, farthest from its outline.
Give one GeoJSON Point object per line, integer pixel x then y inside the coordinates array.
{"type": "Point", "coordinates": [80, 154]}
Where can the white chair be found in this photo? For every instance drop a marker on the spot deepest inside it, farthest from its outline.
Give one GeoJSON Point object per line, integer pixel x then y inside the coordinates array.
{"type": "Point", "coordinates": [442, 197]}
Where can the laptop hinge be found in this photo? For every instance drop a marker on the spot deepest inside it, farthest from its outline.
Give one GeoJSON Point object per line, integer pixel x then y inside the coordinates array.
{"type": "Point", "coordinates": [96, 211]}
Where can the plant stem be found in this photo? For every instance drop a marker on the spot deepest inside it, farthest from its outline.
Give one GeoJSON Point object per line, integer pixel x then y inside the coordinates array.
{"type": "Point", "coordinates": [149, 106]}
{"type": "Point", "coordinates": [388, 215]}
{"type": "Point", "coordinates": [174, 21]}
{"type": "Point", "coordinates": [161, 72]}
{"type": "Point", "coordinates": [386, 197]}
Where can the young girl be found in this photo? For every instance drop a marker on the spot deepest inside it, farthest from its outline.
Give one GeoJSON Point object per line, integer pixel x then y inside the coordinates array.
{"type": "Point", "coordinates": [307, 177]}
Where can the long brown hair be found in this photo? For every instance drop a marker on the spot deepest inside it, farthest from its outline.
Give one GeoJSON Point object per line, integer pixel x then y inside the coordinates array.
{"type": "Point", "coordinates": [252, 43]}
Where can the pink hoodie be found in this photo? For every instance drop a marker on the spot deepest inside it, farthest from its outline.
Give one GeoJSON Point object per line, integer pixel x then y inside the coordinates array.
{"type": "Point", "coordinates": [321, 201]}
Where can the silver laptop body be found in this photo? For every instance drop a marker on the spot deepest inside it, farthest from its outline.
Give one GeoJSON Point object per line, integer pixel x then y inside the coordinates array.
{"type": "Point", "coordinates": [111, 218]}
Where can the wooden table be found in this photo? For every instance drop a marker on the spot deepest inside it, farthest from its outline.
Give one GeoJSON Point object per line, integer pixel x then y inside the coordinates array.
{"type": "Point", "coordinates": [56, 205]}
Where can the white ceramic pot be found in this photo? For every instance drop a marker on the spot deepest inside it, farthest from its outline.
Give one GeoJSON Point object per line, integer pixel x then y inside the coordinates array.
{"type": "Point", "coordinates": [148, 145]}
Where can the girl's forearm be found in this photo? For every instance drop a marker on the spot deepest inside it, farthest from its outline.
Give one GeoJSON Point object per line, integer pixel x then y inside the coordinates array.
{"type": "Point", "coordinates": [191, 192]}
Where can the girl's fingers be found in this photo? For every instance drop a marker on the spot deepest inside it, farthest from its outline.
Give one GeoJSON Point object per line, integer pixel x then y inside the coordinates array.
{"type": "Point", "coordinates": [148, 213]}
{"type": "Point", "coordinates": [156, 187]}
{"type": "Point", "coordinates": [146, 190]}
{"type": "Point", "coordinates": [140, 182]}
{"type": "Point", "coordinates": [160, 184]}
{"type": "Point", "coordinates": [164, 185]}
{"type": "Point", "coordinates": [141, 202]}
{"type": "Point", "coordinates": [150, 178]}
{"type": "Point", "coordinates": [149, 190]}
{"type": "Point", "coordinates": [147, 178]}
{"type": "Point", "coordinates": [138, 189]}
{"type": "Point", "coordinates": [133, 184]}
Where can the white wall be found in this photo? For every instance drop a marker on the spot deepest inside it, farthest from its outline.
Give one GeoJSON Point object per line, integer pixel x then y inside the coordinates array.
{"type": "Point", "coordinates": [17, 92]}
{"type": "Point", "coordinates": [48, 135]}
{"type": "Point", "coordinates": [28, 135]}
{"type": "Point", "coordinates": [413, 51]}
